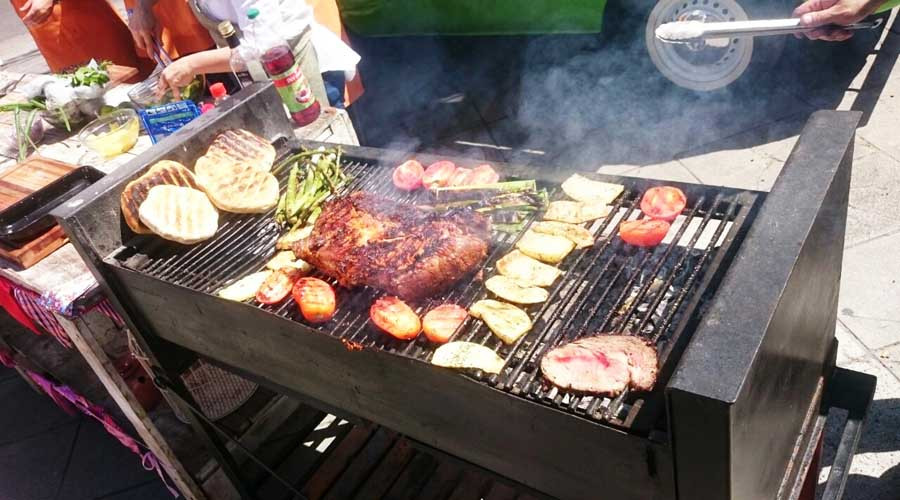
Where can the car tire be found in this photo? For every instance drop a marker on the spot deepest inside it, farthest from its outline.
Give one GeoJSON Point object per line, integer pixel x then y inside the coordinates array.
{"type": "Point", "coordinates": [714, 64]}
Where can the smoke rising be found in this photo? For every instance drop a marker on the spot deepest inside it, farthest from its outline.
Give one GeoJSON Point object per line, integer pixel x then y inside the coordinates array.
{"type": "Point", "coordinates": [584, 101]}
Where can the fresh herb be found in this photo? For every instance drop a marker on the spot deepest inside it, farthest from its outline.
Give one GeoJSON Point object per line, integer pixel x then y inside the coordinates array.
{"type": "Point", "coordinates": [37, 104]}
{"type": "Point", "coordinates": [91, 74]}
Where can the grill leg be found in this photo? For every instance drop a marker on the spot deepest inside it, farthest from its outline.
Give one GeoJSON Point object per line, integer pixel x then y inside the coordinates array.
{"type": "Point", "coordinates": [164, 357]}
{"type": "Point", "coordinates": [215, 443]}
{"type": "Point", "coordinates": [812, 476]}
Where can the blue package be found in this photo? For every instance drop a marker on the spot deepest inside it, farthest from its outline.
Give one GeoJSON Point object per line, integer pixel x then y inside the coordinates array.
{"type": "Point", "coordinates": [160, 121]}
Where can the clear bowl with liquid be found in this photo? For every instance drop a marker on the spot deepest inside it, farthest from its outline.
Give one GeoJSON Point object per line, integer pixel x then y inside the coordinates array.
{"type": "Point", "coordinates": [112, 134]}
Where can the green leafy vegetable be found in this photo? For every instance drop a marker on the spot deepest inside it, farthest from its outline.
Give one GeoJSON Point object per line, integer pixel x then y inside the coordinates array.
{"type": "Point", "coordinates": [91, 74]}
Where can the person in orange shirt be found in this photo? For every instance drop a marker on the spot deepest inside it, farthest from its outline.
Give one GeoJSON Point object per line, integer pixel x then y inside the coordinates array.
{"type": "Point", "coordinates": [72, 32]}
{"type": "Point", "coordinates": [170, 23]}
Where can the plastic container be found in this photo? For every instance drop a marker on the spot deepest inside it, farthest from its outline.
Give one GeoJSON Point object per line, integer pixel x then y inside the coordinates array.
{"type": "Point", "coordinates": [471, 17]}
{"type": "Point", "coordinates": [27, 218]}
{"type": "Point", "coordinates": [112, 134]}
{"type": "Point", "coordinates": [164, 120]}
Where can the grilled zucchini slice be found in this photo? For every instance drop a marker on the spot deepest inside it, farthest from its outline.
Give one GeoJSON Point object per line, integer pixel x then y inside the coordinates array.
{"type": "Point", "coordinates": [507, 321]}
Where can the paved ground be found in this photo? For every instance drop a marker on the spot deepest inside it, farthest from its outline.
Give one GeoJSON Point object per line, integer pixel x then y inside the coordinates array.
{"type": "Point", "coordinates": [46, 454]}
{"type": "Point", "coordinates": [586, 102]}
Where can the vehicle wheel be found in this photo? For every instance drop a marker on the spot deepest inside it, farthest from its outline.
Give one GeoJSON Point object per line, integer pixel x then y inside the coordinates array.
{"type": "Point", "coordinates": [713, 64]}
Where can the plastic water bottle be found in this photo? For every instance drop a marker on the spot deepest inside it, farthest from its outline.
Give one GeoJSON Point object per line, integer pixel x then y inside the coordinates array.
{"type": "Point", "coordinates": [237, 62]}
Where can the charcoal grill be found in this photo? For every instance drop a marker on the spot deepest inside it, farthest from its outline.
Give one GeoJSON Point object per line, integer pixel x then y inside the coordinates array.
{"type": "Point", "coordinates": [740, 302]}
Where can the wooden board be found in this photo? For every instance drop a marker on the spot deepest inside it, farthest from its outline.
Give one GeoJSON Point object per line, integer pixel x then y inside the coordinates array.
{"type": "Point", "coordinates": [35, 250]}
{"type": "Point", "coordinates": [120, 74]}
{"type": "Point", "coordinates": [19, 182]}
{"type": "Point", "coordinates": [29, 176]}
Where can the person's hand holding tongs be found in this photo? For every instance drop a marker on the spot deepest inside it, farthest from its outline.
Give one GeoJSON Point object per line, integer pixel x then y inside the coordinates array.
{"type": "Point", "coordinates": [814, 13]}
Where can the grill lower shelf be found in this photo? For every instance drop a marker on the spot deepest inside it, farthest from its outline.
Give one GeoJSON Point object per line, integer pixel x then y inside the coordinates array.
{"type": "Point", "coordinates": [611, 287]}
{"type": "Point", "coordinates": [334, 459]}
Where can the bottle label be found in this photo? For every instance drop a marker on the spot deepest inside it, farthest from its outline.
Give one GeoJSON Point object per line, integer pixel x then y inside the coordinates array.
{"type": "Point", "coordinates": [294, 89]}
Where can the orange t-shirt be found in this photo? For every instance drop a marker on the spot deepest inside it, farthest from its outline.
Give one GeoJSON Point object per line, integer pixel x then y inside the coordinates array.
{"type": "Point", "coordinates": [80, 30]}
{"type": "Point", "coordinates": [180, 32]}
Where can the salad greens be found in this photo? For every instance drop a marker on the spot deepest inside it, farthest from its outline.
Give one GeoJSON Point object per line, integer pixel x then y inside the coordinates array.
{"type": "Point", "coordinates": [90, 74]}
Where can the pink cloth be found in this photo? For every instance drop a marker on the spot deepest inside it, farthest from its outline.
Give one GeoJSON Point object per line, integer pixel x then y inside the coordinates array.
{"type": "Point", "coordinates": [62, 392]}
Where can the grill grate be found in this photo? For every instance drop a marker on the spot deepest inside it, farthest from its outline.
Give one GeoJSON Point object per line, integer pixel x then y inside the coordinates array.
{"type": "Point", "coordinates": [610, 287]}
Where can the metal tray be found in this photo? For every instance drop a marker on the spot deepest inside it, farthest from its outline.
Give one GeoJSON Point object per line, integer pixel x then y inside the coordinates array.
{"type": "Point", "coordinates": [30, 216]}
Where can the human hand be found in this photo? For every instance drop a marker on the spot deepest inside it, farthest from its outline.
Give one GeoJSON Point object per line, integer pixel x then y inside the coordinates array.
{"type": "Point", "coordinates": [842, 12]}
{"type": "Point", "coordinates": [36, 11]}
{"type": "Point", "coordinates": [143, 26]}
{"type": "Point", "coordinates": [175, 76]}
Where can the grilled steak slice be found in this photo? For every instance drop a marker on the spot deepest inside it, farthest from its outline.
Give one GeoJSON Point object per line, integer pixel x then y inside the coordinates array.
{"type": "Point", "coordinates": [164, 172]}
{"type": "Point", "coordinates": [605, 364]}
{"type": "Point", "coordinates": [363, 239]}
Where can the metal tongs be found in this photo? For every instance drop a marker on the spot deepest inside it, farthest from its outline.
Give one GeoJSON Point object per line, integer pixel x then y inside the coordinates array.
{"type": "Point", "coordinates": [689, 31]}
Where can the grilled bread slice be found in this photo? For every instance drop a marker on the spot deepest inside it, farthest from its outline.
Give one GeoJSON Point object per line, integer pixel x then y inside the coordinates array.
{"type": "Point", "coordinates": [243, 147]}
{"type": "Point", "coordinates": [238, 187]}
{"type": "Point", "coordinates": [162, 173]}
{"type": "Point", "coordinates": [179, 214]}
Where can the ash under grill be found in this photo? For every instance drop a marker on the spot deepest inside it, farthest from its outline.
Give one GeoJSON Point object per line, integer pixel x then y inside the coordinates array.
{"type": "Point", "coordinates": [654, 293]}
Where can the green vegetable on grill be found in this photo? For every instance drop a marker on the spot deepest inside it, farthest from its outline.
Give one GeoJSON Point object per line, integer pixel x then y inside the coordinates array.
{"type": "Point", "coordinates": [314, 176]}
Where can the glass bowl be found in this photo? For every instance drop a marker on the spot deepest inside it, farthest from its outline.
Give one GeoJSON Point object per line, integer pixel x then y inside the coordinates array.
{"type": "Point", "coordinates": [112, 134]}
{"type": "Point", "coordinates": [144, 94]}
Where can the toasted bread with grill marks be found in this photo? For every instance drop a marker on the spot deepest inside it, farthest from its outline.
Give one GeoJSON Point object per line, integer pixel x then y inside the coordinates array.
{"type": "Point", "coordinates": [179, 214]}
{"type": "Point", "coordinates": [243, 147]}
{"type": "Point", "coordinates": [238, 187]}
{"type": "Point", "coordinates": [162, 173]}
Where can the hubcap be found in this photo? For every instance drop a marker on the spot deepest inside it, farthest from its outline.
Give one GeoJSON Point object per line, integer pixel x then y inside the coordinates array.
{"type": "Point", "coordinates": [704, 64]}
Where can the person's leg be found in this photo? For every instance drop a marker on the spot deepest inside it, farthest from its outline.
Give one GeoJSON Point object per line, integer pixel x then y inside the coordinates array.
{"type": "Point", "coordinates": [309, 65]}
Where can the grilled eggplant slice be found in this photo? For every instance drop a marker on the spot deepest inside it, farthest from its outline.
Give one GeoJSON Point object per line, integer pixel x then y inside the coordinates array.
{"type": "Point", "coordinates": [467, 355]}
{"type": "Point", "coordinates": [573, 232]}
{"type": "Point", "coordinates": [580, 188]}
{"type": "Point", "coordinates": [576, 212]}
{"type": "Point", "coordinates": [527, 271]}
{"type": "Point", "coordinates": [507, 321]}
{"type": "Point", "coordinates": [287, 240]}
{"type": "Point", "coordinates": [244, 288]}
{"type": "Point", "coordinates": [289, 262]}
{"type": "Point", "coordinates": [509, 289]}
{"type": "Point", "coordinates": [545, 247]}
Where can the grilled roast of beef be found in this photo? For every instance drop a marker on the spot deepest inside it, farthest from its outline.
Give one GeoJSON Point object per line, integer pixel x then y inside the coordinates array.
{"type": "Point", "coordinates": [604, 364]}
{"type": "Point", "coordinates": [364, 239]}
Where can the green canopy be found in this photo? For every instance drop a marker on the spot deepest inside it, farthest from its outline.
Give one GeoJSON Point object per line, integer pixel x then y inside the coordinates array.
{"type": "Point", "coordinates": [471, 17]}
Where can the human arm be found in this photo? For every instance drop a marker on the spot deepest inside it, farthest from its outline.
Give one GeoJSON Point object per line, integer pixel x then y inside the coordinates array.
{"type": "Point", "coordinates": [143, 26]}
{"type": "Point", "coordinates": [842, 12]}
{"type": "Point", "coordinates": [36, 11]}
{"type": "Point", "coordinates": [180, 73]}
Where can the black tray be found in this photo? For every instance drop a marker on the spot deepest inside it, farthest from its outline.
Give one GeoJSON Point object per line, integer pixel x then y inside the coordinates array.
{"type": "Point", "coordinates": [30, 216]}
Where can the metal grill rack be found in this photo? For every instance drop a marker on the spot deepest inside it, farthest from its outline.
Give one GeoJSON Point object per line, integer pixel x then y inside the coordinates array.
{"type": "Point", "coordinates": [610, 287]}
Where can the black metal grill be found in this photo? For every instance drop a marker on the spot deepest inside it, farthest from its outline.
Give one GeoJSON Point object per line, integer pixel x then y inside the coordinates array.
{"type": "Point", "coordinates": [610, 287]}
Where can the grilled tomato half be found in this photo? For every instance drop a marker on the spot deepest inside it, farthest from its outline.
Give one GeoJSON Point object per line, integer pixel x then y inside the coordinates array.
{"type": "Point", "coordinates": [396, 318]}
{"type": "Point", "coordinates": [315, 298]}
{"type": "Point", "coordinates": [663, 203]}
{"type": "Point", "coordinates": [438, 174]}
{"type": "Point", "coordinates": [408, 175]}
{"type": "Point", "coordinates": [440, 322]}
{"type": "Point", "coordinates": [644, 232]}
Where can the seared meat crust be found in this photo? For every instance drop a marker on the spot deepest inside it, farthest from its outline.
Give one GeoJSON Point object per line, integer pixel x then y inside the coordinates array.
{"type": "Point", "coordinates": [363, 239]}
